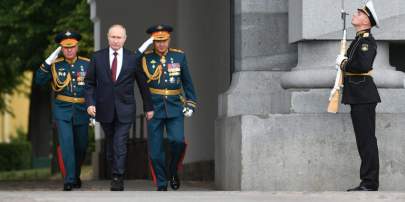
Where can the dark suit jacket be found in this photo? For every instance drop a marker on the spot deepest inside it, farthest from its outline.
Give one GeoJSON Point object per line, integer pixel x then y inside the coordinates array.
{"type": "Point", "coordinates": [361, 53]}
{"type": "Point", "coordinates": [109, 96]}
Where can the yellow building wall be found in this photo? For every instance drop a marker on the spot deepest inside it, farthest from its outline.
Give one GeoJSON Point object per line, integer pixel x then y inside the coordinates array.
{"type": "Point", "coordinates": [18, 103]}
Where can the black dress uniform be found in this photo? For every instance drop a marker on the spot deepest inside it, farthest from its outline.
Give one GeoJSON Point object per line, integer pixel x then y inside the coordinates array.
{"type": "Point", "coordinates": [360, 92]}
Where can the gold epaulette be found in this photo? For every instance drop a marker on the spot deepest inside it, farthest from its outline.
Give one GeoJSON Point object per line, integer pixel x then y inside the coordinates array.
{"type": "Point", "coordinates": [176, 50]}
{"type": "Point", "coordinates": [84, 58]}
{"type": "Point", "coordinates": [148, 52]}
{"type": "Point", "coordinates": [59, 60]}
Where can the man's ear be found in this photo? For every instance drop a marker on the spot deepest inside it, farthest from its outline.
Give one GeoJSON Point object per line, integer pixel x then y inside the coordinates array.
{"type": "Point", "coordinates": [366, 21]}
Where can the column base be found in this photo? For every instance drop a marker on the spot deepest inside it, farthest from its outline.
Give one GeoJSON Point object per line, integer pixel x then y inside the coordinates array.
{"type": "Point", "coordinates": [303, 152]}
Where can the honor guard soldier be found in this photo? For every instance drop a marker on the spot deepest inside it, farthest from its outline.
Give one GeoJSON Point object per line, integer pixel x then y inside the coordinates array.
{"type": "Point", "coordinates": [66, 75]}
{"type": "Point", "coordinates": [173, 98]}
{"type": "Point", "coordinates": [360, 92]}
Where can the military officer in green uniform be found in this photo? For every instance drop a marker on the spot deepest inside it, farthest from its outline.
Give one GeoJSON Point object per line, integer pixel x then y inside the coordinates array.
{"type": "Point", "coordinates": [173, 98]}
{"type": "Point", "coordinates": [360, 92]}
{"type": "Point", "coordinates": [66, 75]}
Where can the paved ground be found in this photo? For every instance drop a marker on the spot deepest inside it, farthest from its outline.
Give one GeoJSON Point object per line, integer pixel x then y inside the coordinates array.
{"type": "Point", "coordinates": [197, 196]}
{"type": "Point", "coordinates": [141, 190]}
{"type": "Point", "coordinates": [96, 185]}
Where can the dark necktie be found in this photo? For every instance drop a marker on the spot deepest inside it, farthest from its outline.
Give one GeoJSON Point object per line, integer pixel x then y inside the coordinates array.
{"type": "Point", "coordinates": [114, 67]}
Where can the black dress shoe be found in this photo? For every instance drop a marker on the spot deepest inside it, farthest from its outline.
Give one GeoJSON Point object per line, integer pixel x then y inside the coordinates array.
{"type": "Point", "coordinates": [117, 184]}
{"type": "Point", "coordinates": [78, 184]}
{"type": "Point", "coordinates": [162, 189]}
{"type": "Point", "coordinates": [363, 188]}
{"type": "Point", "coordinates": [174, 182]}
{"type": "Point", "coordinates": [67, 187]}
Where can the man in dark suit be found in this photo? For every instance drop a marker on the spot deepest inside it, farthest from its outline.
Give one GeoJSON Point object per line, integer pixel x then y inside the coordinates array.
{"type": "Point", "coordinates": [361, 94]}
{"type": "Point", "coordinates": [110, 90]}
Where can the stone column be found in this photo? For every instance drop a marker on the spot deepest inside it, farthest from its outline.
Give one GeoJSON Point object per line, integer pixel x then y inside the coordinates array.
{"type": "Point", "coordinates": [262, 55]}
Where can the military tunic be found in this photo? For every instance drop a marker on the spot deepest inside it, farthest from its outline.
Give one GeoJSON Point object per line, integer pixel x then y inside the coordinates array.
{"type": "Point", "coordinates": [69, 111]}
{"type": "Point", "coordinates": [171, 87]}
{"type": "Point", "coordinates": [359, 87]}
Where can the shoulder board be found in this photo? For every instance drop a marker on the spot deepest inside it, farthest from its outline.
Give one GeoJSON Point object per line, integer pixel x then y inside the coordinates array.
{"type": "Point", "coordinates": [176, 50]}
{"type": "Point", "coordinates": [84, 58]}
{"type": "Point", "coordinates": [59, 60]}
{"type": "Point", "coordinates": [148, 52]}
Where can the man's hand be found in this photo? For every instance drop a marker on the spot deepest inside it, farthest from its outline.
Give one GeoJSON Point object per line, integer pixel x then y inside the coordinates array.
{"type": "Point", "coordinates": [53, 56]}
{"type": "Point", "coordinates": [92, 111]}
{"type": "Point", "coordinates": [146, 44]}
{"type": "Point", "coordinates": [149, 115]}
{"type": "Point", "coordinates": [339, 59]}
{"type": "Point", "coordinates": [188, 112]}
{"type": "Point", "coordinates": [92, 122]}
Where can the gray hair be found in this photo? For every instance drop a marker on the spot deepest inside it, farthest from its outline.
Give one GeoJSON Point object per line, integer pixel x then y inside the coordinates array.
{"type": "Point", "coordinates": [119, 26]}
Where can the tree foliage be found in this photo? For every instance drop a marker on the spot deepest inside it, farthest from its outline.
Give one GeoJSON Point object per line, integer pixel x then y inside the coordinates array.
{"type": "Point", "coordinates": [27, 29]}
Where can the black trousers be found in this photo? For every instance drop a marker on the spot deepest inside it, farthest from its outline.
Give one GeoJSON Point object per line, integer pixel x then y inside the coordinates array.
{"type": "Point", "coordinates": [363, 118]}
{"type": "Point", "coordinates": [116, 134]}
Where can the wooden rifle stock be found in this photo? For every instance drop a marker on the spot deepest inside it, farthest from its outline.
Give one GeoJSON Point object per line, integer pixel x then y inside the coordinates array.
{"type": "Point", "coordinates": [334, 99]}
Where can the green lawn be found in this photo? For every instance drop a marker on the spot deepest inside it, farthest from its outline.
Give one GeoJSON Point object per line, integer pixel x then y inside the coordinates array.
{"type": "Point", "coordinates": [31, 174]}
{"type": "Point", "coordinates": [41, 174]}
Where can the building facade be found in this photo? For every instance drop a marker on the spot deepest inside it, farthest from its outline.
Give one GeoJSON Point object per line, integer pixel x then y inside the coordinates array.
{"type": "Point", "coordinates": [263, 70]}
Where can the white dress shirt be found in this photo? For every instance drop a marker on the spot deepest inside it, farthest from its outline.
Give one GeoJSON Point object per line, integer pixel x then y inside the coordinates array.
{"type": "Point", "coordinates": [119, 60]}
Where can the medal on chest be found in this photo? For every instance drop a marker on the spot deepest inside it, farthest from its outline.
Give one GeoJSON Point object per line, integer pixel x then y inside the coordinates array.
{"type": "Point", "coordinates": [172, 80]}
{"type": "Point", "coordinates": [173, 69]}
{"type": "Point", "coordinates": [61, 72]}
{"type": "Point", "coordinates": [80, 78]}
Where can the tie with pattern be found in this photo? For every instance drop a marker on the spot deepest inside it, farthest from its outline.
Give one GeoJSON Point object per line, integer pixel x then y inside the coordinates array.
{"type": "Point", "coordinates": [114, 67]}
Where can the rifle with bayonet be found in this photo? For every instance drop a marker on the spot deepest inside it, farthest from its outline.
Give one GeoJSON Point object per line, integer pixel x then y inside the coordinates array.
{"type": "Point", "coordinates": [334, 98]}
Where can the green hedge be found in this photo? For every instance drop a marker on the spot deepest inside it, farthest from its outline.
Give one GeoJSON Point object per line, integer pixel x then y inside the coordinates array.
{"type": "Point", "coordinates": [15, 156]}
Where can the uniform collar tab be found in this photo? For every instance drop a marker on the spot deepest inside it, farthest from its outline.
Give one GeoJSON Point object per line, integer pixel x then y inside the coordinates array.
{"type": "Point", "coordinates": [363, 33]}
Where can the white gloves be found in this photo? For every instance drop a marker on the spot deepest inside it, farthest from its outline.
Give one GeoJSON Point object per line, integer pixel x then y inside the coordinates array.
{"type": "Point", "coordinates": [339, 59]}
{"type": "Point", "coordinates": [92, 122]}
{"type": "Point", "coordinates": [146, 44]}
{"type": "Point", "coordinates": [53, 56]}
{"type": "Point", "coordinates": [188, 112]}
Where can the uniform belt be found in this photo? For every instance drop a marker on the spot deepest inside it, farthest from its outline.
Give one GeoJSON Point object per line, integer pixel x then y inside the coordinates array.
{"type": "Point", "coordinates": [358, 74]}
{"type": "Point", "coordinates": [165, 91]}
{"type": "Point", "coordinates": [65, 98]}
